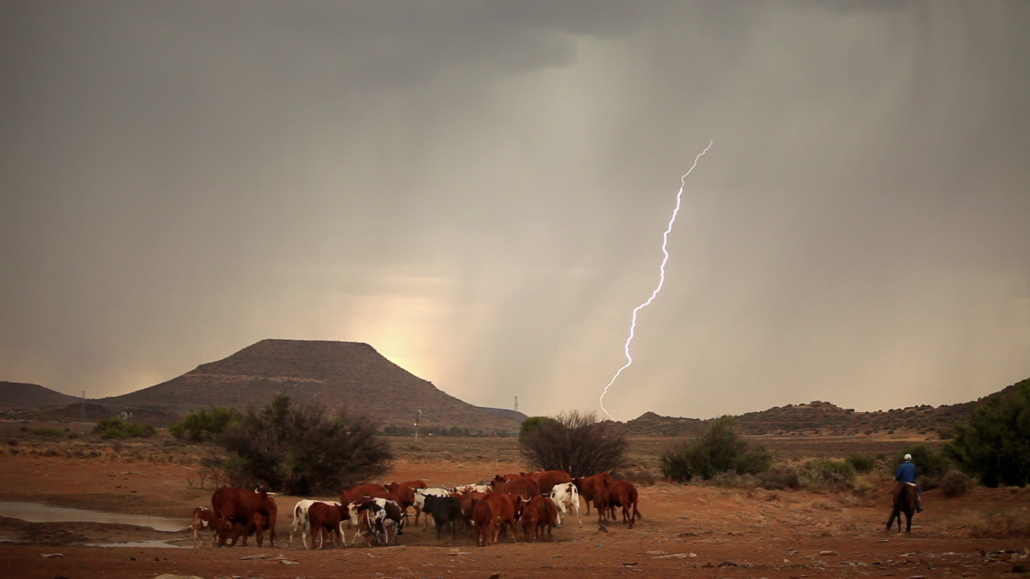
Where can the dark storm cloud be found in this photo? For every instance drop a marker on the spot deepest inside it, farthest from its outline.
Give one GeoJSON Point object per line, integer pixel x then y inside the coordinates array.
{"type": "Point", "coordinates": [478, 190]}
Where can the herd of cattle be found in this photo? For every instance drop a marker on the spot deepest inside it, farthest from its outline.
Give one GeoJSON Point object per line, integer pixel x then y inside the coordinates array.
{"type": "Point", "coordinates": [538, 500]}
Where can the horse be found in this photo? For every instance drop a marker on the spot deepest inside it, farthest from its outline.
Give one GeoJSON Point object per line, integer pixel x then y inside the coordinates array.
{"type": "Point", "coordinates": [905, 501]}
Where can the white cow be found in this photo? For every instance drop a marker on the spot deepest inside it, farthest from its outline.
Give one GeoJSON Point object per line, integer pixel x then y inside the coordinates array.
{"type": "Point", "coordinates": [472, 489]}
{"type": "Point", "coordinates": [420, 501]}
{"type": "Point", "coordinates": [566, 497]}
{"type": "Point", "coordinates": [378, 517]}
{"type": "Point", "coordinates": [302, 521]}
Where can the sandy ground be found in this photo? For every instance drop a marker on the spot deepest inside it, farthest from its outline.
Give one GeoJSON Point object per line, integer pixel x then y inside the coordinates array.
{"type": "Point", "coordinates": [694, 530]}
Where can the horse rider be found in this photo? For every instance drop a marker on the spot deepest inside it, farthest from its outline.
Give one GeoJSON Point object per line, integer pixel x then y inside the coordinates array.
{"type": "Point", "coordinates": [907, 474]}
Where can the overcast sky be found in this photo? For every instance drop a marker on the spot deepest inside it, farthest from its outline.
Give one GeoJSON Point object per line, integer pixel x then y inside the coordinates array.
{"type": "Point", "coordinates": [479, 191]}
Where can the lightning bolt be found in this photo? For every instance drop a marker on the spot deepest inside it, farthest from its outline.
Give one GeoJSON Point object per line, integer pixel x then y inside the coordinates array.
{"type": "Point", "coordinates": [661, 282]}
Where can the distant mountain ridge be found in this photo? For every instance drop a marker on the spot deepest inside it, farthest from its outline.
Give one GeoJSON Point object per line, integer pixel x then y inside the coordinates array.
{"type": "Point", "coordinates": [17, 395]}
{"type": "Point", "coordinates": [824, 418]}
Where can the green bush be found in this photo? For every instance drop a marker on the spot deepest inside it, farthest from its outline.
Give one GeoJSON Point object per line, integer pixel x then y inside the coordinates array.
{"type": "Point", "coordinates": [715, 450]}
{"type": "Point", "coordinates": [116, 428]}
{"type": "Point", "coordinates": [929, 462]}
{"type": "Point", "coordinates": [577, 443]}
{"type": "Point", "coordinates": [47, 431]}
{"type": "Point", "coordinates": [205, 424]}
{"type": "Point", "coordinates": [863, 463]}
{"type": "Point", "coordinates": [827, 472]}
{"type": "Point", "coordinates": [302, 450]}
{"type": "Point", "coordinates": [533, 423]}
{"type": "Point", "coordinates": [994, 443]}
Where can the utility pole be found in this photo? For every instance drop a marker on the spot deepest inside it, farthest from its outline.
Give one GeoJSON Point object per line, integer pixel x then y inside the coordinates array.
{"type": "Point", "coordinates": [516, 404]}
{"type": "Point", "coordinates": [83, 405]}
{"type": "Point", "coordinates": [417, 416]}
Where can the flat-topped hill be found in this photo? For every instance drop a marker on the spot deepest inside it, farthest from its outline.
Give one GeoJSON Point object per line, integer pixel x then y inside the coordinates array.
{"type": "Point", "coordinates": [332, 374]}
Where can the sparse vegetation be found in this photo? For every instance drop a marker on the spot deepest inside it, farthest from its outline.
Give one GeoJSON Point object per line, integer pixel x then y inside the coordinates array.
{"type": "Point", "coordinates": [994, 445]}
{"type": "Point", "coordinates": [118, 429]}
{"type": "Point", "coordinates": [715, 450]}
{"type": "Point", "coordinates": [301, 450]}
{"type": "Point", "coordinates": [576, 443]}
{"type": "Point", "coordinates": [205, 424]}
{"type": "Point", "coordinates": [829, 473]}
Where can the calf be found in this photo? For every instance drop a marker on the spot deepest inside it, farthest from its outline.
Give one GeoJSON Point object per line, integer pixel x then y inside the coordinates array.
{"type": "Point", "coordinates": [468, 503]}
{"type": "Point", "coordinates": [243, 507]}
{"type": "Point", "coordinates": [624, 494]}
{"type": "Point", "coordinates": [588, 485]}
{"type": "Point", "coordinates": [444, 510]}
{"type": "Point", "coordinates": [566, 497]}
{"type": "Point", "coordinates": [324, 518]}
{"type": "Point", "coordinates": [420, 497]}
{"type": "Point", "coordinates": [203, 518]}
{"type": "Point", "coordinates": [540, 513]}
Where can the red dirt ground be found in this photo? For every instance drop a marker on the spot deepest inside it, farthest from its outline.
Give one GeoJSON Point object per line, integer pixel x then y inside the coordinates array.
{"type": "Point", "coordinates": [695, 531]}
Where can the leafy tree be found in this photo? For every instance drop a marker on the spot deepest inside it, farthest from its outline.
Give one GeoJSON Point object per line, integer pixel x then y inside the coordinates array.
{"type": "Point", "coordinates": [205, 424]}
{"type": "Point", "coordinates": [715, 450]}
{"type": "Point", "coordinates": [576, 443]}
{"type": "Point", "coordinates": [534, 423]}
{"type": "Point", "coordinates": [301, 450]}
{"type": "Point", "coordinates": [994, 444]}
{"type": "Point", "coordinates": [928, 462]}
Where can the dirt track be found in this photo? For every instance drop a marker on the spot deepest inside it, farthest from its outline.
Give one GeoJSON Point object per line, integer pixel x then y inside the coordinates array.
{"type": "Point", "coordinates": [696, 531]}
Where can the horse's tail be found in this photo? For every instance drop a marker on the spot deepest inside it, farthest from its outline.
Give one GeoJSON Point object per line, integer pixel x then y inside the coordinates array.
{"type": "Point", "coordinates": [894, 514]}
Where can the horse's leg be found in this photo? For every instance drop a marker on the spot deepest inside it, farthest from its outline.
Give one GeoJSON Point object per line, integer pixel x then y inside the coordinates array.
{"type": "Point", "coordinates": [908, 521]}
{"type": "Point", "coordinates": [890, 521]}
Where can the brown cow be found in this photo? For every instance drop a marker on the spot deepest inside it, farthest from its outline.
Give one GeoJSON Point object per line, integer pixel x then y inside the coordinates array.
{"type": "Point", "coordinates": [624, 494]}
{"type": "Point", "coordinates": [526, 487]}
{"type": "Point", "coordinates": [243, 507]}
{"type": "Point", "coordinates": [325, 518]}
{"type": "Point", "coordinates": [540, 513]}
{"type": "Point", "coordinates": [357, 493]}
{"type": "Point", "coordinates": [404, 494]}
{"type": "Point", "coordinates": [603, 504]}
{"type": "Point", "coordinates": [203, 518]}
{"type": "Point", "coordinates": [587, 486]}
{"type": "Point", "coordinates": [468, 503]}
{"type": "Point", "coordinates": [505, 509]}
{"type": "Point", "coordinates": [482, 521]}
{"type": "Point", "coordinates": [548, 478]}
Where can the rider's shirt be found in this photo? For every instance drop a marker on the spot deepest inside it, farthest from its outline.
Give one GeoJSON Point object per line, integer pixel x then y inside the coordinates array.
{"type": "Point", "coordinates": [906, 473]}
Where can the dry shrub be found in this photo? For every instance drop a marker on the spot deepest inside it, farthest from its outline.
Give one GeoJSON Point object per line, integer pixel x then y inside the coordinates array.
{"type": "Point", "coordinates": [641, 478]}
{"type": "Point", "coordinates": [1013, 522]}
{"type": "Point", "coordinates": [956, 483]}
{"type": "Point", "coordinates": [779, 478]}
{"type": "Point", "coordinates": [731, 479]}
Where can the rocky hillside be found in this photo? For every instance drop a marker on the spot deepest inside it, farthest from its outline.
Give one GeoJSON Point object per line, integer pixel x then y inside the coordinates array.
{"type": "Point", "coordinates": [332, 374]}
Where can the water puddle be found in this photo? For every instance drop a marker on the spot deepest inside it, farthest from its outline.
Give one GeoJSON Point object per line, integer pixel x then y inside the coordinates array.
{"type": "Point", "coordinates": [158, 544]}
{"type": "Point", "coordinates": [37, 513]}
